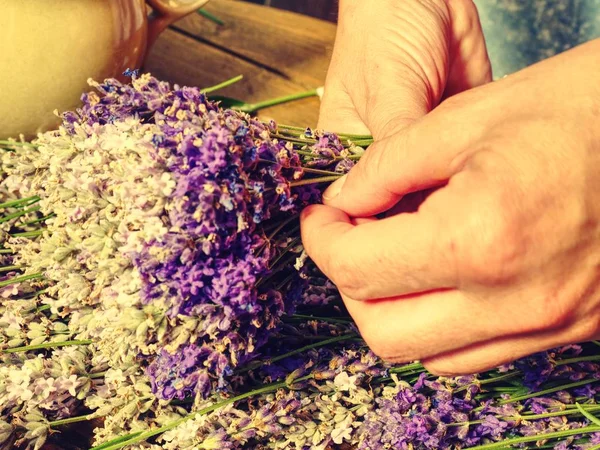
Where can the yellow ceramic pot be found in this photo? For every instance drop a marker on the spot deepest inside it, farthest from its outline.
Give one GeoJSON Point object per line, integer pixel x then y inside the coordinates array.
{"type": "Point", "coordinates": [49, 49]}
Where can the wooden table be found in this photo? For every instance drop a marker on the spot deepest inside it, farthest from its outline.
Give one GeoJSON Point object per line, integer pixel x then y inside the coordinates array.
{"type": "Point", "coordinates": [278, 53]}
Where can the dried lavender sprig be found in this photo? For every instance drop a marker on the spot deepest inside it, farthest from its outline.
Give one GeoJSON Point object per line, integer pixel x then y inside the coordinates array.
{"type": "Point", "coordinates": [33, 276]}
{"type": "Point", "coordinates": [27, 234]}
{"type": "Point", "coordinates": [75, 419]}
{"type": "Point", "coordinates": [540, 437]}
{"type": "Point", "coordinates": [18, 214]}
{"type": "Point", "coordinates": [545, 391]}
{"type": "Point", "coordinates": [134, 438]}
{"type": "Point", "coordinates": [588, 415]}
{"type": "Point", "coordinates": [318, 180]}
{"type": "Point", "coordinates": [47, 345]}
{"type": "Point", "coordinates": [222, 85]}
{"type": "Point", "coordinates": [341, 135]}
{"type": "Point", "coordinates": [271, 360]}
{"type": "Point", "coordinates": [5, 143]}
{"type": "Point", "coordinates": [253, 107]}
{"type": "Point", "coordinates": [22, 201]}
{"type": "Point", "coordinates": [321, 319]}
{"type": "Point", "coordinates": [503, 377]}
{"type": "Point", "coordinates": [565, 412]}
{"type": "Point", "coordinates": [591, 358]}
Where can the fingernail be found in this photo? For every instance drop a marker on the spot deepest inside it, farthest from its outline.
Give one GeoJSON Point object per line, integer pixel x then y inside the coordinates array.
{"type": "Point", "coordinates": [334, 190]}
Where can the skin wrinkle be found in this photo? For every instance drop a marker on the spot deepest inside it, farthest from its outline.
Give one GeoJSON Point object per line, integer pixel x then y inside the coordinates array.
{"type": "Point", "coordinates": [413, 48]}
{"type": "Point", "coordinates": [437, 56]}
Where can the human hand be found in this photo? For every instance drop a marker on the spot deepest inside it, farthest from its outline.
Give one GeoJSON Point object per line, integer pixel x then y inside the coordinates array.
{"type": "Point", "coordinates": [393, 61]}
{"type": "Point", "coordinates": [503, 259]}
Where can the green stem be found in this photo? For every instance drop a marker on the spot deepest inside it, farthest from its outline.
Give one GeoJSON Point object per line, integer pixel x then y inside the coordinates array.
{"type": "Point", "coordinates": [28, 234]}
{"type": "Point", "coordinates": [319, 171]}
{"type": "Point", "coordinates": [140, 437]}
{"type": "Point", "coordinates": [18, 214]}
{"type": "Point", "coordinates": [294, 242]}
{"type": "Point", "coordinates": [257, 364]}
{"type": "Point", "coordinates": [33, 276]}
{"type": "Point", "coordinates": [562, 362]}
{"type": "Point", "coordinates": [337, 158]}
{"type": "Point", "coordinates": [322, 319]}
{"type": "Point", "coordinates": [277, 229]}
{"type": "Point", "coordinates": [11, 143]}
{"type": "Point", "coordinates": [94, 376]}
{"type": "Point", "coordinates": [281, 226]}
{"type": "Point", "coordinates": [253, 107]}
{"type": "Point", "coordinates": [491, 380]}
{"type": "Point", "coordinates": [544, 392]}
{"type": "Point", "coordinates": [315, 180]}
{"type": "Point", "coordinates": [529, 417]}
{"type": "Point", "coordinates": [43, 307]}
{"type": "Point", "coordinates": [313, 346]}
{"type": "Point", "coordinates": [589, 416]}
{"type": "Point", "coordinates": [9, 268]}
{"type": "Point", "coordinates": [6, 251]}
{"type": "Point", "coordinates": [294, 140]}
{"type": "Point", "coordinates": [46, 345]}
{"type": "Point", "coordinates": [540, 437]}
{"type": "Point", "coordinates": [33, 222]}
{"type": "Point", "coordinates": [116, 441]}
{"type": "Point", "coordinates": [341, 135]}
{"type": "Point", "coordinates": [222, 85]}
{"type": "Point", "coordinates": [58, 423]}
{"type": "Point", "coordinates": [210, 16]}
{"type": "Point", "coordinates": [15, 203]}
{"type": "Point", "coordinates": [407, 368]}
{"type": "Point", "coordinates": [274, 271]}
{"type": "Point", "coordinates": [362, 143]}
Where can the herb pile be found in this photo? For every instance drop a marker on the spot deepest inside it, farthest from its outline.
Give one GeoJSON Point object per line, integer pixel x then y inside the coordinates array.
{"type": "Point", "coordinates": [152, 281]}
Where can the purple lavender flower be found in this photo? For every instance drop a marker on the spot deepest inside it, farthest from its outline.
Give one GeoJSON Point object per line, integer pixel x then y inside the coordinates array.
{"type": "Point", "coordinates": [178, 375]}
{"type": "Point", "coordinates": [231, 180]}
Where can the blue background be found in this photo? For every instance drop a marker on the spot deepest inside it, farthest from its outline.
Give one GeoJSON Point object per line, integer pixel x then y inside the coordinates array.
{"type": "Point", "coordinates": [521, 32]}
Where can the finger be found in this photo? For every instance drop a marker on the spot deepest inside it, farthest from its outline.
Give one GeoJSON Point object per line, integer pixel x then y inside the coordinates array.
{"type": "Point", "coordinates": [487, 355]}
{"type": "Point", "coordinates": [470, 65]}
{"type": "Point", "coordinates": [337, 113]}
{"type": "Point", "coordinates": [419, 326]}
{"type": "Point", "coordinates": [458, 333]}
{"type": "Point", "coordinates": [389, 257]}
{"type": "Point", "coordinates": [425, 155]}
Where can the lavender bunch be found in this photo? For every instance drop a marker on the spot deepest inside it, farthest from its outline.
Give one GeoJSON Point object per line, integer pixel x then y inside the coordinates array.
{"type": "Point", "coordinates": [152, 282]}
{"type": "Point", "coordinates": [164, 217]}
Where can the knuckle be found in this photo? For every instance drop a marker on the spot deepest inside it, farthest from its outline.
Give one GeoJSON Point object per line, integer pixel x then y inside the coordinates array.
{"type": "Point", "coordinates": [587, 329]}
{"type": "Point", "coordinates": [387, 345]}
{"type": "Point", "coordinates": [375, 162]}
{"type": "Point", "coordinates": [380, 344]}
{"type": "Point", "coordinates": [554, 314]}
{"type": "Point", "coordinates": [443, 367]}
{"type": "Point", "coordinates": [345, 276]}
{"type": "Point", "coordinates": [491, 242]}
{"type": "Point", "coordinates": [492, 252]}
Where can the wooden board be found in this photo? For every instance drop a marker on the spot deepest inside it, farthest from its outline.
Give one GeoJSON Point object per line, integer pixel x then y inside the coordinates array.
{"type": "Point", "coordinates": [324, 9]}
{"type": "Point", "coordinates": [278, 53]}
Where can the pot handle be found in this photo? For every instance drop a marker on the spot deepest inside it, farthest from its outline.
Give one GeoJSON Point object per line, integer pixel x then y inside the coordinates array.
{"type": "Point", "coordinates": [165, 12]}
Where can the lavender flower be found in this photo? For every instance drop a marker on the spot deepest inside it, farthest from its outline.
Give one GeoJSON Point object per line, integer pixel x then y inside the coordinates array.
{"type": "Point", "coordinates": [170, 245]}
